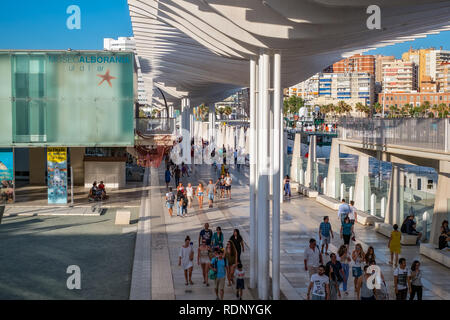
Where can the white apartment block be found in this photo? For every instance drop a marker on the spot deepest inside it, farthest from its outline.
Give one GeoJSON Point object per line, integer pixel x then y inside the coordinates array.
{"type": "Point", "coordinates": [348, 86]}
{"type": "Point", "coordinates": [308, 90]}
{"type": "Point", "coordinates": [128, 44]}
{"type": "Point", "coordinates": [400, 76]}
{"type": "Point", "coordinates": [439, 61]}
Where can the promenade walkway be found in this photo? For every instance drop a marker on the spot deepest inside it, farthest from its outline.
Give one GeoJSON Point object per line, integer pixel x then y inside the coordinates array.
{"type": "Point", "coordinates": [300, 220]}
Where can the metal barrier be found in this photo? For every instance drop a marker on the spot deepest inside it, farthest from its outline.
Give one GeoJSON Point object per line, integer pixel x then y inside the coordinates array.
{"type": "Point", "coordinates": [426, 133]}
{"type": "Point", "coordinates": [147, 126]}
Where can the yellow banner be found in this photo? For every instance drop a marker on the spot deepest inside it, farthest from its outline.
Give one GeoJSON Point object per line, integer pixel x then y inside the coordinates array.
{"type": "Point", "coordinates": [56, 154]}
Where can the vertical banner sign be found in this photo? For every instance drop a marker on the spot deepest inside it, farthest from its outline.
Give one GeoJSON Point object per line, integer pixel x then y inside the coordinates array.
{"type": "Point", "coordinates": [6, 175]}
{"type": "Point", "coordinates": [57, 175]}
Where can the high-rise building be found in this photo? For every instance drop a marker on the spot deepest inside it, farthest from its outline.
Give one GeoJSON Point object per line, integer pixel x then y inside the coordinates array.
{"type": "Point", "coordinates": [356, 63]}
{"type": "Point", "coordinates": [399, 76]}
{"type": "Point", "coordinates": [128, 44]}
{"type": "Point", "coordinates": [439, 62]}
{"type": "Point", "coordinates": [342, 86]}
{"type": "Point", "coordinates": [308, 90]}
{"type": "Point", "coordinates": [423, 59]}
{"type": "Point", "coordinates": [379, 60]}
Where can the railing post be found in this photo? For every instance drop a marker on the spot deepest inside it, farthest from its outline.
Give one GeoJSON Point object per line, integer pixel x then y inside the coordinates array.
{"type": "Point", "coordinates": [324, 185]}
{"type": "Point", "coordinates": [342, 191]}
{"type": "Point", "coordinates": [447, 135]}
{"type": "Point", "coordinates": [350, 194]}
{"type": "Point", "coordinates": [424, 226]}
{"type": "Point", "coordinates": [373, 202]}
{"type": "Point", "coordinates": [383, 207]}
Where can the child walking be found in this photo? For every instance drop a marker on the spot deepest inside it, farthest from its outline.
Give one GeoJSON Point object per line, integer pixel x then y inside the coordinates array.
{"type": "Point", "coordinates": [239, 274]}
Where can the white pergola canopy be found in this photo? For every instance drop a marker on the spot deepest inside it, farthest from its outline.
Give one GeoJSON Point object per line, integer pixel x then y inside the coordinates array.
{"type": "Point", "coordinates": [201, 48]}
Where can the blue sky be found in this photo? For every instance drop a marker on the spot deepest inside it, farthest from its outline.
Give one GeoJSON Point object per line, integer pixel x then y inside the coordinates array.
{"type": "Point", "coordinates": [41, 24]}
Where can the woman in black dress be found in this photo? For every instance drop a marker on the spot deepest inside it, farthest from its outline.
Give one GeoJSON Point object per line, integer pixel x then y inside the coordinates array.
{"type": "Point", "coordinates": [238, 243]}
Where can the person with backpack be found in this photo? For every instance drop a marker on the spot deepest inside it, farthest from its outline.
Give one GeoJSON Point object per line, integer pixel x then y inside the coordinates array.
{"type": "Point", "coordinates": [343, 210]}
{"type": "Point", "coordinates": [170, 201]}
{"type": "Point", "coordinates": [336, 275]}
{"type": "Point", "coordinates": [218, 265]}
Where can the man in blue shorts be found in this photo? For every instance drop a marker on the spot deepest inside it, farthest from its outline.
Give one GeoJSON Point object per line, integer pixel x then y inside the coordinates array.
{"type": "Point", "coordinates": [210, 190]}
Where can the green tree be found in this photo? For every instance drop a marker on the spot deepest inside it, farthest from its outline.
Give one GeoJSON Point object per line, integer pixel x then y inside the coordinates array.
{"type": "Point", "coordinates": [378, 107]}
{"type": "Point", "coordinates": [203, 111]}
{"type": "Point", "coordinates": [228, 110]}
{"type": "Point", "coordinates": [393, 111]}
{"type": "Point", "coordinates": [292, 104]}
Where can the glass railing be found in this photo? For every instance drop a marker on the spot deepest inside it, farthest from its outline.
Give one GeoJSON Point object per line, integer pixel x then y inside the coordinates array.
{"type": "Point", "coordinates": [147, 126]}
{"type": "Point", "coordinates": [426, 133]}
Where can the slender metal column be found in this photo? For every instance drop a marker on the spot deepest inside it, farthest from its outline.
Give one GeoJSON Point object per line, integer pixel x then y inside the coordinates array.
{"type": "Point", "coordinates": [263, 188]}
{"type": "Point", "coordinates": [259, 197]}
{"type": "Point", "coordinates": [276, 155]}
{"type": "Point", "coordinates": [253, 160]}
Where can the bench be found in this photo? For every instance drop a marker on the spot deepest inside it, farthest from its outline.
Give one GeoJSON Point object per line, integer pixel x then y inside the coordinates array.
{"type": "Point", "coordinates": [366, 219]}
{"type": "Point", "coordinates": [386, 229]}
{"type": "Point", "coordinates": [123, 217]}
{"type": "Point", "coordinates": [328, 202]}
{"type": "Point", "coordinates": [308, 192]}
{"type": "Point", "coordinates": [431, 251]}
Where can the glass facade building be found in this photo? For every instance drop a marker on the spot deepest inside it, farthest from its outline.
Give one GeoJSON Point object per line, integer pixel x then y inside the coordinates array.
{"type": "Point", "coordinates": [66, 98]}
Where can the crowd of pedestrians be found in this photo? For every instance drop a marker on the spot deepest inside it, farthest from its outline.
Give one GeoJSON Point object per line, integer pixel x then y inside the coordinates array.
{"type": "Point", "coordinates": [218, 263]}
{"type": "Point", "coordinates": [326, 278]}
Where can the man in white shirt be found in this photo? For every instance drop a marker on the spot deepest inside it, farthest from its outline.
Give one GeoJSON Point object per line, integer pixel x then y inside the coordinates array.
{"type": "Point", "coordinates": [313, 258]}
{"type": "Point", "coordinates": [402, 280]}
{"type": "Point", "coordinates": [320, 285]}
{"type": "Point", "coordinates": [343, 210]}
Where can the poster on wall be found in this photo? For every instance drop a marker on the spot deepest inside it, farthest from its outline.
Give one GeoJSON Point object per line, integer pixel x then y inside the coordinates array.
{"type": "Point", "coordinates": [57, 175]}
{"type": "Point", "coordinates": [6, 175]}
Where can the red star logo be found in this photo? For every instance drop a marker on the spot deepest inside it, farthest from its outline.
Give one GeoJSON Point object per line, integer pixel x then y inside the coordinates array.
{"type": "Point", "coordinates": [106, 77]}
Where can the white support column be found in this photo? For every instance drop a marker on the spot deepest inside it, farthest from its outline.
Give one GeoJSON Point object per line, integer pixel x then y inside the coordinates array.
{"type": "Point", "coordinates": [253, 173]}
{"type": "Point", "coordinates": [362, 184]}
{"type": "Point", "coordinates": [263, 183]}
{"type": "Point", "coordinates": [334, 173]}
{"type": "Point", "coordinates": [277, 154]}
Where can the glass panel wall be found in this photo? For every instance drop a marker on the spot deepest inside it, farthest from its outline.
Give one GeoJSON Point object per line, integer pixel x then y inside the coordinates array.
{"type": "Point", "coordinates": [67, 98]}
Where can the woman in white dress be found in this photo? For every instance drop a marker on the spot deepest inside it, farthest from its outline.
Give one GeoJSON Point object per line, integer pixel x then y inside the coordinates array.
{"type": "Point", "coordinates": [190, 194]}
{"type": "Point", "coordinates": [186, 258]}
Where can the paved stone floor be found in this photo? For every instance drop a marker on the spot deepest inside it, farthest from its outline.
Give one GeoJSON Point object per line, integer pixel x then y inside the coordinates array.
{"type": "Point", "coordinates": [36, 251]}
{"type": "Point", "coordinates": [28, 196]}
{"type": "Point", "coordinates": [299, 222]}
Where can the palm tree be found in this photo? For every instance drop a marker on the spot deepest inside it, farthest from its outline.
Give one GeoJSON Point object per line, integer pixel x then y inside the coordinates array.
{"type": "Point", "coordinates": [378, 107]}
{"type": "Point", "coordinates": [203, 111]}
{"type": "Point", "coordinates": [343, 107]}
{"type": "Point", "coordinates": [220, 111]}
{"type": "Point", "coordinates": [442, 110]}
{"type": "Point", "coordinates": [227, 110]}
{"type": "Point", "coordinates": [393, 110]}
{"type": "Point", "coordinates": [292, 104]}
{"type": "Point", "coordinates": [362, 108]}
